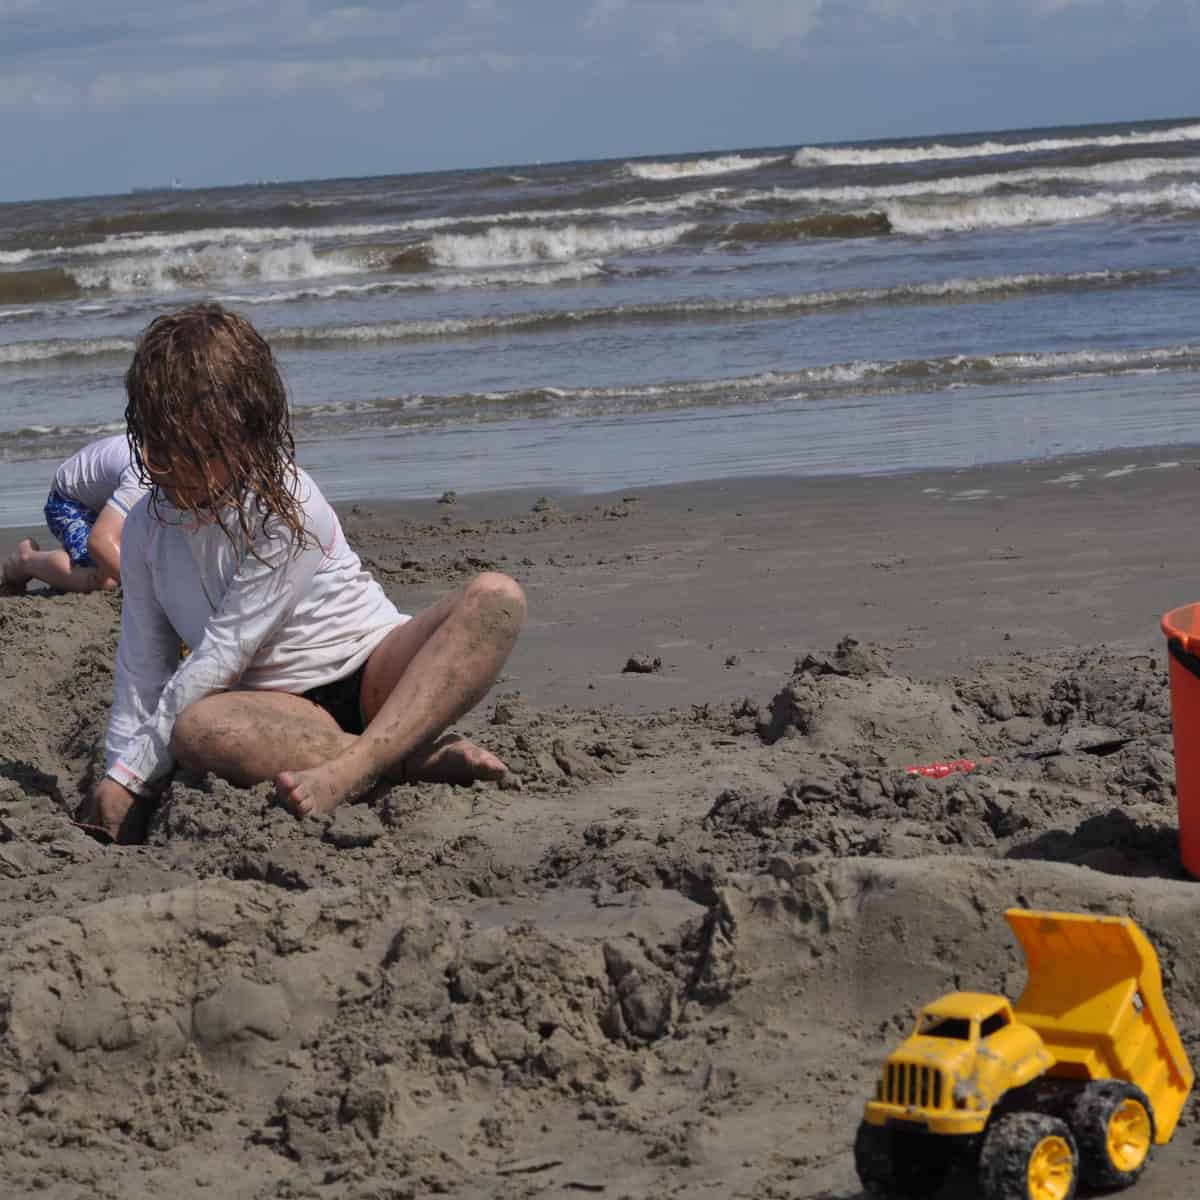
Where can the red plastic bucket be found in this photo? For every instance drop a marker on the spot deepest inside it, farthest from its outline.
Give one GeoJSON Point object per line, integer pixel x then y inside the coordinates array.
{"type": "Point", "coordinates": [1182, 627]}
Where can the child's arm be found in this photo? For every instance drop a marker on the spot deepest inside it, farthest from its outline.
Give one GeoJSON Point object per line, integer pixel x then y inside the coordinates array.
{"type": "Point", "coordinates": [147, 653]}
{"type": "Point", "coordinates": [104, 542]}
{"type": "Point", "coordinates": [260, 597]}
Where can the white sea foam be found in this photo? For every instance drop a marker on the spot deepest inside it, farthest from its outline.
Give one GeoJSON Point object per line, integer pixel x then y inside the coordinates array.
{"type": "Point", "coordinates": [547, 276]}
{"type": "Point", "coordinates": [967, 288]}
{"type": "Point", "coordinates": [567, 272]}
{"type": "Point", "coordinates": [299, 261]}
{"type": "Point", "coordinates": [1040, 364]}
{"type": "Point", "coordinates": [142, 243]}
{"type": "Point", "coordinates": [1130, 171]}
{"type": "Point", "coordinates": [991, 212]}
{"type": "Point", "coordinates": [708, 197]}
{"type": "Point", "coordinates": [805, 384]}
{"type": "Point", "coordinates": [58, 348]}
{"type": "Point", "coordinates": [810, 156]}
{"type": "Point", "coordinates": [725, 164]}
{"type": "Point", "coordinates": [386, 331]}
{"type": "Point", "coordinates": [213, 266]}
{"type": "Point", "coordinates": [762, 306]}
{"type": "Point", "coordinates": [249, 239]}
{"type": "Point", "coordinates": [503, 247]}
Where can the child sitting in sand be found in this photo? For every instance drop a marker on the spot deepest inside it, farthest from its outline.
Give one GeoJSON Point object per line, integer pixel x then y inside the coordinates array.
{"type": "Point", "coordinates": [301, 670]}
{"type": "Point", "coordinates": [89, 500]}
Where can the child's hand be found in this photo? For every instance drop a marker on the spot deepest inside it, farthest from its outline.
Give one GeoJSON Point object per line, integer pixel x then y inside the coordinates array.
{"type": "Point", "coordinates": [112, 813]}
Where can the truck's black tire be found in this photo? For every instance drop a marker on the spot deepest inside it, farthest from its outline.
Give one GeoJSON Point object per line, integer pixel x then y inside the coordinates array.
{"type": "Point", "coordinates": [1028, 1156]}
{"type": "Point", "coordinates": [1113, 1124]}
{"type": "Point", "coordinates": [895, 1164]}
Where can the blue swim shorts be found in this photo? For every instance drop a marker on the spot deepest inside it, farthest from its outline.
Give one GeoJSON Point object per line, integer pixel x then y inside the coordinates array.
{"type": "Point", "coordinates": [70, 522]}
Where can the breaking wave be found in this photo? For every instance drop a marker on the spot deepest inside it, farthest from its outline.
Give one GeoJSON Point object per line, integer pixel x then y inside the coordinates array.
{"type": "Point", "coordinates": [725, 164]}
{"type": "Point", "coordinates": [992, 212]}
{"type": "Point", "coordinates": [866, 376]}
{"type": "Point", "coordinates": [713, 310]}
{"type": "Point", "coordinates": [505, 247]}
{"type": "Point", "coordinates": [810, 156]}
{"type": "Point", "coordinates": [547, 276]}
{"type": "Point", "coordinates": [936, 291]}
{"type": "Point", "coordinates": [170, 262]}
{"type": "Point", "coordinates": [63, 348]}
{"type": "Point", "coordinates": [215, 264]}
{"type": "Point", "coordinates": [1128, 172]}
{"type": "Point", "coordinates": [820, 225]}
{"type": "Point", "coordinates": [192, 239]}
{"type": "Point", "coordinates": [410, 412]}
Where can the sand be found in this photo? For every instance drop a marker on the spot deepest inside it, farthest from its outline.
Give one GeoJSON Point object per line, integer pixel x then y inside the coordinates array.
{"type": "Point", "coordinates": [668, 957]}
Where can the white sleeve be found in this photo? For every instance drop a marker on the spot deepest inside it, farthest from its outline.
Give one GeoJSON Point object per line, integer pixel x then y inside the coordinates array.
{"type": "Point", "coordinates": [260, 598]}
{"type": "Point", "coordinates": [148, 652]}
{"type": "Point", "coordinates": [128, 492]}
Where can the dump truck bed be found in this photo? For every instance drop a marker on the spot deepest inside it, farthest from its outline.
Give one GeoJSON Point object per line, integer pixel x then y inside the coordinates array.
{"type": "Point", "coordinates": [1095, 996]}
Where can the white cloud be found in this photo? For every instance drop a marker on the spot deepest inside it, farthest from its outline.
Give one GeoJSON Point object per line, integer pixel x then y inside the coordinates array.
{"type": "Point", "coordinates": [60, 57]}
{"type": "Point", "coordinates": [64, 37]}
{"type": "Point", "coordinates": [355, 80]}
{"type": "Point", "coordinates": [784, 26]}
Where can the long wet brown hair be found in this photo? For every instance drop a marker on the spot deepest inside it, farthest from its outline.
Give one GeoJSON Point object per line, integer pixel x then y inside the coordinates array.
{"type": "Point", "coordinates": [204, 387]}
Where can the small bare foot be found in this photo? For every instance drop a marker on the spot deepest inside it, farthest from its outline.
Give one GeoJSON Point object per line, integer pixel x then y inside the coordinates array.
{"type": "Point", "coordinates": [13, 576]}
{"type": "Point", "coordinates": [453, 759]}
{"type": "Point", "coordinates": [317, 790]}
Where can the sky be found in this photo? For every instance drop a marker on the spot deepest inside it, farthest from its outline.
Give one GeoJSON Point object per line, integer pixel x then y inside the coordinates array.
{"type": "Point", "coordinates": [108, 95]}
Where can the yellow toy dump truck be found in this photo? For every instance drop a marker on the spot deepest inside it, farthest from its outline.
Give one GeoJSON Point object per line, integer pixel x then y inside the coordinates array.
{"type": "Point", "coordinates": [1073, 1083]}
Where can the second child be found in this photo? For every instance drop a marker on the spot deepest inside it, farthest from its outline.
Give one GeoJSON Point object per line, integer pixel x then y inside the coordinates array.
{"type": "Point", "coordinates": [89, 500]}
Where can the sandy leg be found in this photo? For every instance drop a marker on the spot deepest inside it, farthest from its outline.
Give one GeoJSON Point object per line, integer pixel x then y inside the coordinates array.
{"type": "Point", "coordinates": [418, 681]}
{"type": "Point", "coordinates": [52, 567]}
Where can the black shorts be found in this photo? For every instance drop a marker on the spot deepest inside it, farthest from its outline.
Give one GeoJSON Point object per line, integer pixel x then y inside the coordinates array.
{"type": "Point", "coordinates": [342, 700]}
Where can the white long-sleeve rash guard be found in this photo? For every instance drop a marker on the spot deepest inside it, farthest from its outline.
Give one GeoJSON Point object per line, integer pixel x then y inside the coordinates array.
{"type": "Point", "coordinates": [281, 621]}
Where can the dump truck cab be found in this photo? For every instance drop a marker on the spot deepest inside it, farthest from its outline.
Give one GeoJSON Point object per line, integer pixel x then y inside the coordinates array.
{"type": "Point", "coordinates": [966, 1051]}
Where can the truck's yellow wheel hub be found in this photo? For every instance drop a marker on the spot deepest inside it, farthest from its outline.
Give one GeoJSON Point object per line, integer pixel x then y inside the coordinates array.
{"type": "Point", "coordinates": [1051, 1169]}
{"type": "Point", "coordinates": [1129, 1136]}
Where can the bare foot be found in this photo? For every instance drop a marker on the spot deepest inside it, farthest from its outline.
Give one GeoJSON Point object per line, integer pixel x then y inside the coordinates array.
{"type": "Point", "coordinates": [451, 759]}
{"type": "Point", "coordinates": [14, 575]}
{"type": "Point", "coordinates": [318, 790]}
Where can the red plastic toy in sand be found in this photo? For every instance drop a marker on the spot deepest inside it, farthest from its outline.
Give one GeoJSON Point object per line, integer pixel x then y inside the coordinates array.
{"type": "Point", "coordinates": [939, 770]}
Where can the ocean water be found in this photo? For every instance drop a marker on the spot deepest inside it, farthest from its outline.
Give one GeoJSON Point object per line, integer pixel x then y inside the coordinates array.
{"type": "Point", "coordinates": [940, 300]}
